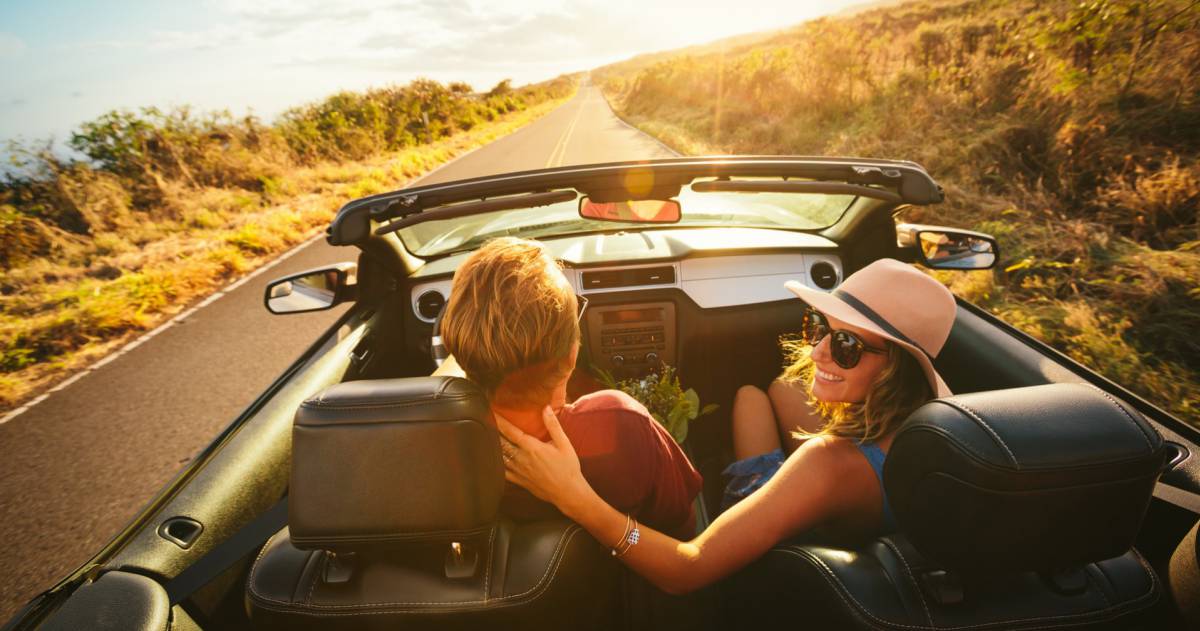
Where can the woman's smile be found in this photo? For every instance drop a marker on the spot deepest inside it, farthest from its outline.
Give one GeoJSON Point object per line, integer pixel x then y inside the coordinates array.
{"type": "Point", "coordinates": [828, 377]}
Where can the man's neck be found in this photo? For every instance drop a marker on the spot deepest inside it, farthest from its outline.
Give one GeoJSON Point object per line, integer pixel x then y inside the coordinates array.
{"type": "Point", "coordinates": [528, 420]}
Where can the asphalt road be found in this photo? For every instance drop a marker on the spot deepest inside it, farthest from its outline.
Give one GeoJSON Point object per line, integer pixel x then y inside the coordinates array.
{"type": "Point", "coordinates": [77, 466]}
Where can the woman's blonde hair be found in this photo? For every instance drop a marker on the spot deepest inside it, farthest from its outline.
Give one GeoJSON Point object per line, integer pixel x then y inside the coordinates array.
{"type": "Point", "coordinates": [511, 321]}
{"type": "Point", "coordinates": [898, 390]}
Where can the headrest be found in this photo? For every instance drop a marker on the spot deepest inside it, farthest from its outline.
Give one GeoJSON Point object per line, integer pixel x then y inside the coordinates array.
{"type": "Point", "coordinates": [393, 460]}
{"type": "Point", "coordinates": [1028, 479]}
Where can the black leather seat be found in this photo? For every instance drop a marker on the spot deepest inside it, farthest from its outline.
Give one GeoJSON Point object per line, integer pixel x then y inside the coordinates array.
{"type": "Point", "coordinates": [1018, 509]}
{"type": "Point", "coordinates": [392, 523]}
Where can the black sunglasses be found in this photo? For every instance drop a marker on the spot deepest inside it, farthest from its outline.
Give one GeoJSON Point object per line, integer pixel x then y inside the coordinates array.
{"type": "Point", "coordinates": [845, 347]}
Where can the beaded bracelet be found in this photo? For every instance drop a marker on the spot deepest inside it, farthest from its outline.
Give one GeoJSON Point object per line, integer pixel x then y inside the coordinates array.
{"type": "Point", "coordinates": [632, 536]}
{"type": "Point", "coordinates": [624, 535]}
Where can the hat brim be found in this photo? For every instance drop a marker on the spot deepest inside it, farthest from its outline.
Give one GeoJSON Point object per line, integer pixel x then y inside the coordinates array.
{"type": "Point", "coordinates": [832, 306]}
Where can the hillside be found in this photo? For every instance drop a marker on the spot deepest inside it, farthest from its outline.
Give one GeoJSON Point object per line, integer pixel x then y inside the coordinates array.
{"type": "Point", "coordinates": [167, 206]}
{"type": "Point", "coordinates": [1069, 130]}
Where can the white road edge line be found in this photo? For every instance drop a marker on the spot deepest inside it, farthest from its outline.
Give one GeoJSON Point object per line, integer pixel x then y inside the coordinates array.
{"type": "Point", "coordinates": [107, 359]}
{"type": "Point", "coordinates": [656, 140]}
{"type": "Point", "coordinates": [626, 123]}
{"type": "Point", "coordinates": [211, 299]}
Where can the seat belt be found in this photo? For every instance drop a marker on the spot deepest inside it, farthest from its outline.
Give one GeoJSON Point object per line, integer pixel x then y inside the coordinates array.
{"type": "Point", "coordinates": [215, 561]}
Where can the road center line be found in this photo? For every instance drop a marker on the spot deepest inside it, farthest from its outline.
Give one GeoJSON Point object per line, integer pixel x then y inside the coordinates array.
{"type": "Point", "coordinates": [560, 149]}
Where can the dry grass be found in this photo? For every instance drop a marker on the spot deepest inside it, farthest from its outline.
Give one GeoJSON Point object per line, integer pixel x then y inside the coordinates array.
{"type": "Point", "coordinates": [61, 312]}
{"type": "Point", "coordinates": [1068, 130]}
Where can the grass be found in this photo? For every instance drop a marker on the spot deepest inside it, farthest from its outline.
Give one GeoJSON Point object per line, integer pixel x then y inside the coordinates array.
{"type": "Point", "coordinates": [89, 294]}
{"type": "Point", "coordinates": [1068, 130]}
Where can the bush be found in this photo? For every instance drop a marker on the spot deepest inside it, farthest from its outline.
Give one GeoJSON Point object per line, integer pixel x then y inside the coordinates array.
{"type": "Point", "coordinates": [159, 206]}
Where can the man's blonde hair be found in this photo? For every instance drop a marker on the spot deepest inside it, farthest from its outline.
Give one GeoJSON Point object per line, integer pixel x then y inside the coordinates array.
{"type": "Point", "coordinates": [511, 321]}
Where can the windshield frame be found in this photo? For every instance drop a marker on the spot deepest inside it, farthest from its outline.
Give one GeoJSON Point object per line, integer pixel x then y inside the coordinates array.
{"type": "Point", "coordinates": [536, 226]}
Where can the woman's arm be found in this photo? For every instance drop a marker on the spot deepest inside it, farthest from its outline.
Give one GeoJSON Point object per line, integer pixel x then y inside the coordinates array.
{"type": "Point", "coordinates": [801, 495]}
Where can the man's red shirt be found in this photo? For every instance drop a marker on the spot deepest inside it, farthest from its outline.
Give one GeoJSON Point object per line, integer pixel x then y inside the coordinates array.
{"type": "Point", "coordinates": [630, 461]}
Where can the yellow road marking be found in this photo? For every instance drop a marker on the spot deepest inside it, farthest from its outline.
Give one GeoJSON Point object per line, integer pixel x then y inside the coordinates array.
{"type": "Point", "coordinates": [560, 148]}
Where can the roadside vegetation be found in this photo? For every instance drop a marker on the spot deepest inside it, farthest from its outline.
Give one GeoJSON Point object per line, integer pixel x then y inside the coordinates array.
{"type": "Point", "coordinates": [1069, 130]}
{"type": "Point", "coordinates": [159, 208]}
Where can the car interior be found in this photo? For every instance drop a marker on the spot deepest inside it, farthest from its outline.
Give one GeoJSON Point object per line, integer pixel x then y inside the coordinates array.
{"type": "Point", "coordinates": [1040, 495]}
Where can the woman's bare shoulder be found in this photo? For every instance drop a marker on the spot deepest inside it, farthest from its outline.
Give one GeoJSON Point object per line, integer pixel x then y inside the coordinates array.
{"type": "Point", "coordinates": [831, 462]}
{"type": "Point", "coordinates": [827, 450]}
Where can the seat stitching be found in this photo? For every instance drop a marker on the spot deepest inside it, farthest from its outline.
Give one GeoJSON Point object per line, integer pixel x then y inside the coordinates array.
{"type": "Point", "coordinates": [1091, 579]}
{"type": "Point", "coordinates": [950, 438]}
{"type": "Point", "coordinates": [1141, 430]}
{"type": "Point", "coordinates": [1149, 570]}
{"type": "Point", "coordinates": [911, 575]}
{"type": "Point", "coordinates": [988, 428]}
{"type": "Point", "coordinates": [258, 559]}
{"type": "Point", "coordinates": [398, 537]}
{"type": "Point", "coordinates": [843, 593]}
{"type": "Point", "coordinates": [548, 576]}
{"type": "Point", "coordinates": [487, 568]}
{"type": "Point", "coordinates": [397, 404]}
{"type": "Point", "coordinates": [312, 585]}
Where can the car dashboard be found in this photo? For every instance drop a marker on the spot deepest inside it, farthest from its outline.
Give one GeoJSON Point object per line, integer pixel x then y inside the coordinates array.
{"type": "Point", "coordinates": [635, 283]}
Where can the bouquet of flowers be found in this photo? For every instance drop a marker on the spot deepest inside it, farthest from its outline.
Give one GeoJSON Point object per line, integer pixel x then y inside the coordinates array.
{"type": "Point", "coordinates": [672, 406]}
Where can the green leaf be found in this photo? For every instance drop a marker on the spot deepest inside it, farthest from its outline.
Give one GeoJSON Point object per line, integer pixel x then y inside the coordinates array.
{"type": "Point", "coordinates": [693, 403]}
{"type": "Point", "coordinates": [708, 409]}
{"type": "Point", "coordinates": [605, 377]}
{"type": "Point", "coordinates": [681, 433]}
{"type": "Point", "coordinates": [678, 414]}
{"type": "Point", "coordinates": [664, 397]}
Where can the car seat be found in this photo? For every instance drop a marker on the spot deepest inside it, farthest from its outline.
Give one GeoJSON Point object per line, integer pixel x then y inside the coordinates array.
{"type": "Point", "coordinates": [393, 523]}
{"type": "Point", "coordinates": [1017, 509]}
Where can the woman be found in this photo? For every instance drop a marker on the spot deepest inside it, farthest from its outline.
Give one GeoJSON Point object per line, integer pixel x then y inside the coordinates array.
{"type": "Point", "coordinates": [883, 325]}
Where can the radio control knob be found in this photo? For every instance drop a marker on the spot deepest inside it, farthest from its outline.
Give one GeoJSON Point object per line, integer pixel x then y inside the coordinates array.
{"type": "Point", "coordinates": [651, 358]}
{"type": "Point", "coordinates": [618, 360]}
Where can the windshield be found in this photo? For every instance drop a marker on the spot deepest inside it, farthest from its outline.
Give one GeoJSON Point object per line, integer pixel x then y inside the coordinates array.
{"type": "Point", "coordinates": [792, 211]}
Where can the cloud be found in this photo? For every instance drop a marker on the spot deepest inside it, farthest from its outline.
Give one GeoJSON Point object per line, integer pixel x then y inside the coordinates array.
{"type": "Point", "coordinates": [363, 42]}
{"type": "Point", "coordinates": [11, 46]}
{"type": "Point", "coordinates": [494, 40]}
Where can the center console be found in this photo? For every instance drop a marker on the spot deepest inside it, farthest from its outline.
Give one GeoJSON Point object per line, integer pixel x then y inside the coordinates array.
{"type": "Point", "coordinates": [630, 339]}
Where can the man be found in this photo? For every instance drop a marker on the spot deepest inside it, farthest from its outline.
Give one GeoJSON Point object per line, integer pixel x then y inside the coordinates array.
{"type": "Point", "coordinates": [512, 325]}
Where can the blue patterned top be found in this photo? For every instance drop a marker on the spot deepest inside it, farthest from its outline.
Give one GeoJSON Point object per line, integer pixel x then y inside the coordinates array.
{"type": "Point", "coordinates": [875, 456]}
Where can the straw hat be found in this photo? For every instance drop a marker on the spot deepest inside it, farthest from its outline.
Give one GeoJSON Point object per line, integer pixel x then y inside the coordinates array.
{"type": "Point", "coordinates": [896, 302]}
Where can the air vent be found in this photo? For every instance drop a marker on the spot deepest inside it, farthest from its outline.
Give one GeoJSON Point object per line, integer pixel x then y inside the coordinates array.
{"type": "Point", "coordinates": [430, 304]}
{"type": "Point", "coordinates": [823, 275]}
{"type": "Point", "coordinates": [638, 277]}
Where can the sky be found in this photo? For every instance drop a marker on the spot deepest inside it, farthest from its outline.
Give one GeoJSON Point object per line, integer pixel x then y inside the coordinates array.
{"type": "Point", "coordinates": [64, 62]}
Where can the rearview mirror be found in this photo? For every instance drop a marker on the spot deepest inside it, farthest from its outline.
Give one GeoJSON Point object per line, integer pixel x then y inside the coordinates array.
{"type": "Point", "coordinates": [948, 248]}
{"type": "Point", "coordinates": [633, 211]}
{"type": "Point", "coordinates": [312, 290]}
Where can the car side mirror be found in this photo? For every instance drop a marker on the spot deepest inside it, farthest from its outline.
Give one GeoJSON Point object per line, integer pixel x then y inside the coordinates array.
{"type": "Point", "coordinates": [947, 248]}
{"type": "Point", "coordinates": [312, 290]}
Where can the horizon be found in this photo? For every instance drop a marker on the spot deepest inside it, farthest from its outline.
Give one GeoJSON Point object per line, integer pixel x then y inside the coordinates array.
{"type": "Point", "coordinates": [265, 57]}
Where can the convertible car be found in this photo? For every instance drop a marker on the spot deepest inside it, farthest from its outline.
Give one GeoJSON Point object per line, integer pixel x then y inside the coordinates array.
{"type": "Point", "coordinates": [358, 491]}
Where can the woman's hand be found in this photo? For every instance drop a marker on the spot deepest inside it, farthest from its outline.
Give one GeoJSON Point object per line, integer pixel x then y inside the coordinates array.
{"type": "Point", "coordinates": [548, 470]}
